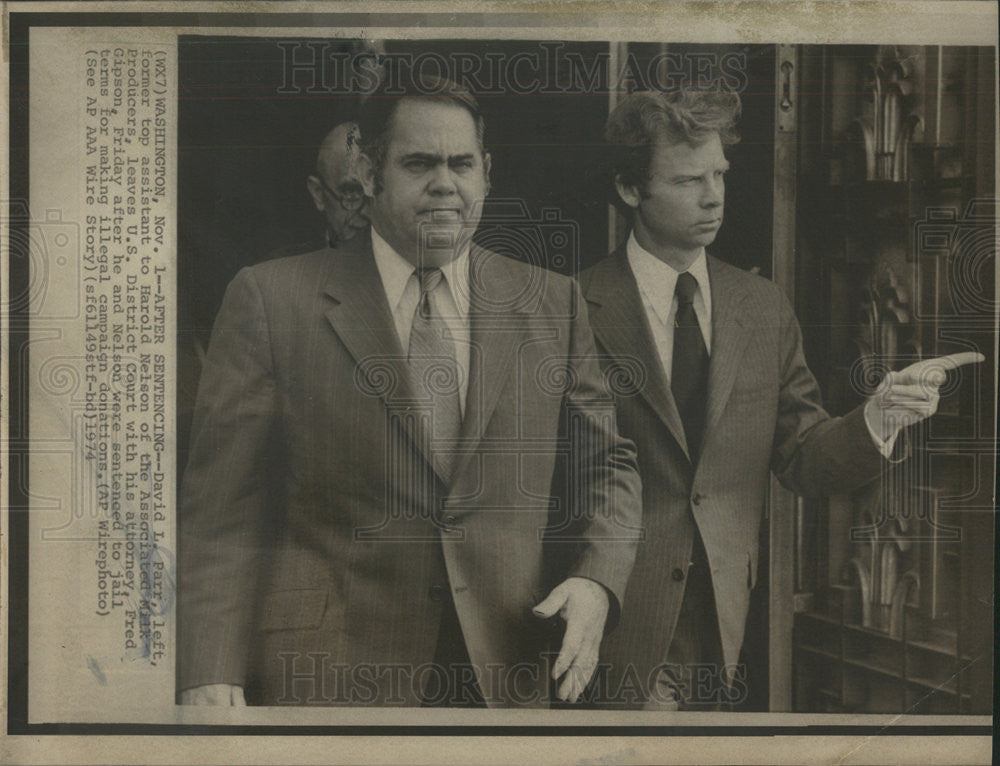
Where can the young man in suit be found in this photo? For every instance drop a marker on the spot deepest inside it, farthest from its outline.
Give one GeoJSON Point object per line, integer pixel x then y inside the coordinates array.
{"type": "Point", "coordinates": [376, 436]}
{"type": "Point", "coordinates": [722, 398]}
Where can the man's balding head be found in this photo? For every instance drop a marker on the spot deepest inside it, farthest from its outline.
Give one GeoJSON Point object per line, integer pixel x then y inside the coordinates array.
{"type": "Point", "coordinates": [335, 187]}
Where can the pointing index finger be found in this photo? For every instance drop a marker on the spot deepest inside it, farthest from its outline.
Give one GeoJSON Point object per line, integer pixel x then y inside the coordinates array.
{"type": "Point", "coordinates": [938, 366]}
{"type": "Point", "coordinates": [953, 361]}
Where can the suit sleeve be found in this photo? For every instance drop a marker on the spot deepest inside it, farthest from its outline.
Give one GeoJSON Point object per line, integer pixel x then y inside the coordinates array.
{"type": "Point", "coordinates": [225, 495]}
{"type": "Point", "coordinates": [606, 493]}
{"type": "Point", "coordinates": [813, 453]}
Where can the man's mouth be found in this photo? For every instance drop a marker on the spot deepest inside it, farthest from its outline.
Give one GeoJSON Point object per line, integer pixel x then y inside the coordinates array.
{"type": "Point", "coordinates": [442, 213]}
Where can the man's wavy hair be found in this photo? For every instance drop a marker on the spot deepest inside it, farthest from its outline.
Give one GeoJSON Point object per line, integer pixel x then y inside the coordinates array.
{"type": "Point", "coordinates": [643, 119]}
{"type": "Point", "coordinates": [378, 110]}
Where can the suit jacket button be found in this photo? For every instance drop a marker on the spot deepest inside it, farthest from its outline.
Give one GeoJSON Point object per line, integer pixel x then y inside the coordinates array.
{"type": "Point", "coordinates": [437, 592]}
{"type": "Point", "coordinates": [696, 500]}
{"type": "Point", "coordinates": [450, 520]}
{"type": "Point", "coordinates": [677, 574]}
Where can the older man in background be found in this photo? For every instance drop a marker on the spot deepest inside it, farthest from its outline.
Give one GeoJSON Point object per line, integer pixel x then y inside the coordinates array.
{"type": "Point", "coordinates": [335, 187]}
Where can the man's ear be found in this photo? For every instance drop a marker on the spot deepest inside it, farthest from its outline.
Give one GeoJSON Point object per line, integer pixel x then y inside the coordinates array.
{"type": "Point", "coordinates": [628, 193]}
{"type": "Point", "coordinates": [316, 192]}
{"type": "Point", "coordinates": [366, 174]}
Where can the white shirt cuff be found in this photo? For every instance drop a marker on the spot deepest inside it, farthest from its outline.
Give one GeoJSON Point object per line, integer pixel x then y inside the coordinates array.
{"type": "Point", "coordinates": [886, 447]}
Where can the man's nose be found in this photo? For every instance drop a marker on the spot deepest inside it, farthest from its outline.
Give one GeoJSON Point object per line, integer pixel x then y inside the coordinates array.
{"type": "Point", "coordinates": [714, 193]}
{"type": "Point", "coordinates": [443, 180]}
{"type": "Point", "coordinates": [363, 209]}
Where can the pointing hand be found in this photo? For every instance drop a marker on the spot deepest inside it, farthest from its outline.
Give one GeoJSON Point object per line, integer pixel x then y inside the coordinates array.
{"type": "Point", "coordinates": [911, 395]}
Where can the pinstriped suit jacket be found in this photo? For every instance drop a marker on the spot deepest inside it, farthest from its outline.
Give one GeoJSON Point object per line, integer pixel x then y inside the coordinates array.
{"type": "Point", "coordinates": [763, 414]}
{"type": "Point", "coordinates": [314, 526]}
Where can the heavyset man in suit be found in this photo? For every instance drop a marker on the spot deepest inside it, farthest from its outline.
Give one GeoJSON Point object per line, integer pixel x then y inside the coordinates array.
{"type": "Point", "coordinates": [374, 445]}
{"type": "Point", "coordinates": [722, 398]}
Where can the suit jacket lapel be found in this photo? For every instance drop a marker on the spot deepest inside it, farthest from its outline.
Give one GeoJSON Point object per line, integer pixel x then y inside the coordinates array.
{"type": "Point", "coordinates": [729, 338]}
{"type": "Point", "coordinates": [619, 322]}
{"type": "Point", "coordinates": [360, 315]}
{"type": "Point", "coordinates": [497, 328]}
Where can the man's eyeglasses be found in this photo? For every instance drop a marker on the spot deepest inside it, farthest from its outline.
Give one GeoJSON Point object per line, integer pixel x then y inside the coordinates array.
{"type": "Point", "coordinates": [350, 200]}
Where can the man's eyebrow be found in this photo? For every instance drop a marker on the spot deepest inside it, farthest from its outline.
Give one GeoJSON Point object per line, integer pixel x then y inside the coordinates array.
{"type": "Point", "coordinates": [425, 156]}
{"type": "Point", "coordinates": [436, 158]}
{"type": "Point", "coordinates": [695, 174]}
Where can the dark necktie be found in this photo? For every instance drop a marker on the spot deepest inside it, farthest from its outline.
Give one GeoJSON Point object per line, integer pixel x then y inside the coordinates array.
{"type": "Point", "coordinates": [434, 370]}
{"type": "Point", "coordinates": [689, 373]}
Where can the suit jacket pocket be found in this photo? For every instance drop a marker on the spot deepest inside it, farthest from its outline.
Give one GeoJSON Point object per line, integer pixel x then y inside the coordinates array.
{"type": "Point", "coordinates": [301, 609]}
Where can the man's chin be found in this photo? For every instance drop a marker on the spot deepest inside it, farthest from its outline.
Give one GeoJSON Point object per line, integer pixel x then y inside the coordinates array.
{"type": "Point", "coordinates": [444, 242]}
{"type": "Point", "coordinates": [437, 257]}
{"type": "Point", "coordinates": [706, 239]}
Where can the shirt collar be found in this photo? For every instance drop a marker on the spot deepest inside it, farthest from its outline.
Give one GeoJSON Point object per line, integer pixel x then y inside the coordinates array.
{"type": "Point", "coordinates": [396, 271]}
{"type": "Point", "coordinates": [657, 279]}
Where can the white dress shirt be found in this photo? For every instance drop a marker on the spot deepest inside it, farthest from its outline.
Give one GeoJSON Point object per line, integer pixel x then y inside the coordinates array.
{"type": "Point", "coordinates": [402, 290]}
{"type": "Point", "coordinates": [657, 281]}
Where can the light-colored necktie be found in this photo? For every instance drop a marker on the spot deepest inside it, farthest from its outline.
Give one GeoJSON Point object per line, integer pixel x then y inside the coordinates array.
{"type": "Point", "coordinates": [434, 373]}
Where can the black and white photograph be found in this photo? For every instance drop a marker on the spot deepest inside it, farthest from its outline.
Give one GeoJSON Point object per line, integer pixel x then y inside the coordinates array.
{"type": "Point", "coordinates": [446, 374]}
